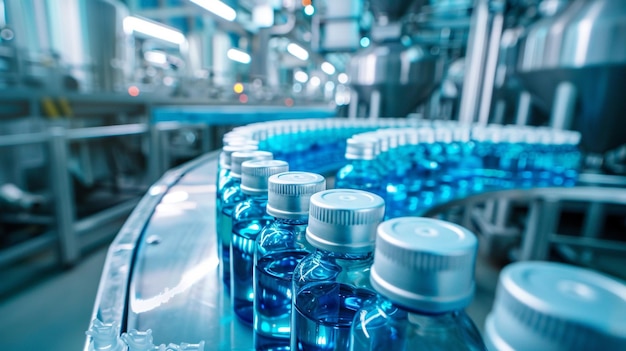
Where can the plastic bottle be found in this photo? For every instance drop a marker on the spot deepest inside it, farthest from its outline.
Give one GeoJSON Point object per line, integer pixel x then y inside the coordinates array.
{"type": "Point", "coordinates": [466, 164]}
{"type": "Point", "coordinates": [394, 182]}
{"type": "Point", "coordinates": [331, 284]}
{"type": "Point", "coordinates": [249, 217]}
{"type": "Point", "coordinates": [445, 153]}
{"type": "Point", "coordinates": [361, 172]}
{"type": "Point", "coordinates": [572, 158]}
{"type": "Point", "coordinates": [279, 248]}
{"type": "Point", "coordinates": [230, 197]}
{"type": "Point", "coordinates": [556, 307]}
{"type": "Point", "coordinates": [428, 163]}
{"type": "Point", "coordinates": [423, 272]}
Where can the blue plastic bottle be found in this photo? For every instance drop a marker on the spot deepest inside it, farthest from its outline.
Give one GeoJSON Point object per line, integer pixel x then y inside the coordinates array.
{"type": "Point", "coordinates": [362, 171]}
{"type": "Point", "coordinates": [423, 272]}
{"type": "Point", "coordinates": [279, 248]}
{"type": "Point", "coordinates": [428, 163]}
{"type": "Point", "coordinates": [249, 218]}
{"type": "Point", "coordinates": [394, 181]}
{"type": "Point", "coordinates": [332, 283]}
{"type": "Point", "coordinates": [556, 307]}
{"type": "Point", "coordinates": [230, 197]}
{"type": "Point", "coordinates": [571, 158]}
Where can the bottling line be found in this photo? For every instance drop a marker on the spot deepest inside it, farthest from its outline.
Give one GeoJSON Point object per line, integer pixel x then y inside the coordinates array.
{"type": "Point", "coordinates": [118, 119]}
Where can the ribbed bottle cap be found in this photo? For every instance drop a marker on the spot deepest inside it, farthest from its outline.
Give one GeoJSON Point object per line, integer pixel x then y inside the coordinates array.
{"type": "Point", "coordinates": [363, 148]}
{"type": "Point", "coordinates": [573, 137]}
{"type": "Point", "coordinates": [461, 134]}
{"type": "Point", "coordinates": [512, 135]}
{"type": "Point", "coordinates": [443, 135]}
{"type": "Point", "coordinates": [425, 264]}
{"type": "Point", "coordinates": [426, 135]}
{"type": "Point", "coordinates": [254, 174]}
{"type": "Point", "coordinates": [239, 157]}
{"type": "Point", "coordinates": [344, 220]}
{"type": "Point", "coordinates": [289, 193]}
{"type": "Point", "coordinates": [227, 151]}
{"type": "Point", "coordinates": [556, 307]}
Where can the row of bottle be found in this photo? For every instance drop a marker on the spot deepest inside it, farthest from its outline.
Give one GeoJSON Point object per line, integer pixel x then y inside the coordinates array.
{"type": "Point", "coordinates": [300, 258]}
{"type": "Point", "coordinates": [310, 144]}
{"type": "Point", "coordinates": [416, 168]}
{"type": "Point", "coordinates": [303, 279]}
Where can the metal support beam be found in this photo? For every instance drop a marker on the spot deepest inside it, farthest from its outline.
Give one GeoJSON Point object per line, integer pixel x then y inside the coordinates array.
{"type": "Point", "coordinates": [542, 222]}
{"type": "Point", "coordinates": [63, 197]}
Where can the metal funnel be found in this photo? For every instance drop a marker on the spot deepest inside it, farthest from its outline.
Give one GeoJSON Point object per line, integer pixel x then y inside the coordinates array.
{"type": "Point", "coordinates": [403, 76]}
{"type": "Point", "coordinates": [584, 46]}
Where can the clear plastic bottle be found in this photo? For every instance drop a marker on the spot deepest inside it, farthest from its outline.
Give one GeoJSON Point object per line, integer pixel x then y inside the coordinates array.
{"type": "Point", "coordinates": [362, 171]}
{"type": "Point", "coordinates": [423, 272]}
{"type": "Point", "coordinates": [230, 197]}
{"type": "Point", "coordinates": [332, 283]}
{"type": "Point", "coordinates": [556, 307]}
{"type": "Point", "coordinates": [279, 248]}
{"type": "Point", "coordinates": [249, 218]}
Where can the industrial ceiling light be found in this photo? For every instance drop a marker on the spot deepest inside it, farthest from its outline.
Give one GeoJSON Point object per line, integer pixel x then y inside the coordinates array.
{"type": "Point", "coordinates": [238, 55]}
{"type": "Point", "coordinates": [328, 68]}
{"type": "Point", "coordinates": [301, 77]}
{"type": "Point", "coordinates": [153, 29]}
{"type": "Point", "coordinates": [156, 57]}
{"type": "Point", "coordinates": [217, 8]}
{"type": "Point", "coordinates": [297, 51]}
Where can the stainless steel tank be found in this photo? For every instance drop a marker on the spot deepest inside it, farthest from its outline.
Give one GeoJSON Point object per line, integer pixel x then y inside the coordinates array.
{"type": "Point", "coordinates": [403, 76]}
{"type": "Point", "coordinates": [83, 39]}
{"type": "Point", "coordinates": [584, 48]}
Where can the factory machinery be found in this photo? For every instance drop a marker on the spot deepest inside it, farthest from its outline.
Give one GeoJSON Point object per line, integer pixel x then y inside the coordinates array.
{"type": "Point", "coordinates": [98, 98]}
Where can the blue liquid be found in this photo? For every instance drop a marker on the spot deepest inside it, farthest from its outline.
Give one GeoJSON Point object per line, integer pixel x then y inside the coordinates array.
{"type": "Point", "coordinates": [324, 313]}
{"type": "Point", "coordinates": [242, 265]}
{"type": "Point", "coordinates": [361, 175]}
{"type": "Point", "coordinates": [273, 292]}
{"type": "Point", "coordinates": [231, 197]}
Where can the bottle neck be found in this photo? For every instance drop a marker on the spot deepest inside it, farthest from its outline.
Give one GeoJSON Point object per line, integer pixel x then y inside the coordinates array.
{"type": "Point", "coordinates": [256, 198]}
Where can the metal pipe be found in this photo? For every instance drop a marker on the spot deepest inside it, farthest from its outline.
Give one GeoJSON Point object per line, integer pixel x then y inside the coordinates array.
{"type": "Point", "coordinates": [106, 131]}
{"type": "Point", "coordinates": [477, 44]}
{"type": "Point", "coordinates": [490, 68]}
{"type": "Point", "coordinates": [562, 115]}
{"type": "Point", "coordinates": [523, 109]}
{"type": "Point", "coordinates": [375, 105]}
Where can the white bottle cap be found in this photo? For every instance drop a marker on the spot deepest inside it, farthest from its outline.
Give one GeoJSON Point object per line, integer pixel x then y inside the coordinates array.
{"type": "Point", "coordinates": [344, 220]}
{"type": "Point", "coordinates": [556, 307]}
{"type": "Point", "coordinates": [425, 264]}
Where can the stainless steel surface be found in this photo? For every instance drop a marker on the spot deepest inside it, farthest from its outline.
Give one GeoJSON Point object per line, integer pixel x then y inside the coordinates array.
{"type": "Point", "coordinates": [403, 76]}
{"type": "Point", "coordinates": [392, 10]}
{"type": "Point", "coordinates": [583, 46]}
{"type": "Point", "coordinates": [167, 257]}
{"type": "Point", "coordinates": [71, 40]}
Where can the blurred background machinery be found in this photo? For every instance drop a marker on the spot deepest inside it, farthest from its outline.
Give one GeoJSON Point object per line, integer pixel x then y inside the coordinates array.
{"type": "Point", "coordinates": [99, 97]}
